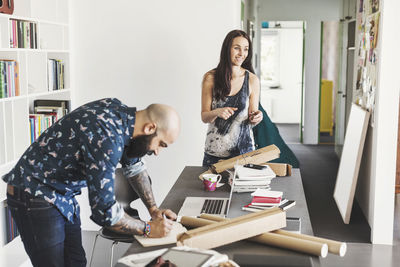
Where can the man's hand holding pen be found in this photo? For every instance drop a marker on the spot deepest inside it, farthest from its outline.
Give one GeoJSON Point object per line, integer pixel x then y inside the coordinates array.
{"type": "Point", "coordinates": [161, 223]}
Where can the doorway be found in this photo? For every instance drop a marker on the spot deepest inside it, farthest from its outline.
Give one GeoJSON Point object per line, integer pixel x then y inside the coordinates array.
{"type": "Point", "coordinates": [329, 80]}
{"type": "Point", "coordinates": [281, 75]}
{"type": "Point", "coordinates": [344, 95]}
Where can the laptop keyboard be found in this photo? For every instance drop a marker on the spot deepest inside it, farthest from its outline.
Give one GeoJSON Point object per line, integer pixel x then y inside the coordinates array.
{"type": "Point", "coordinates": [212, 206]}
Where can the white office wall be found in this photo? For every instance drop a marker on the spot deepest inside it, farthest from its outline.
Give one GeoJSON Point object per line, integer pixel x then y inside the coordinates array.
{"type": "Point", "coordinates": [312, 12]}
{"type": "Point", "coordinates": [151, 51]}
{"type": "Point", "coordinates": [376, 183]}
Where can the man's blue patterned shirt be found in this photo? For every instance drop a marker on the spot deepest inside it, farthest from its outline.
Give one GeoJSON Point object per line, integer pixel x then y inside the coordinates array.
{"type": "Point", "coordinates": [81, 149]}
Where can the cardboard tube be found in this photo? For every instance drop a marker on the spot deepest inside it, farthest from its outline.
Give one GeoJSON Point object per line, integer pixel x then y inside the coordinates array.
{"type": "Point", "coordinates": [217, 234]}
{"type": "Point", "coordinates": [335, 247]}
{"type": "Point", "coordinates": [212, 217]}
{"type": "Point", "coordinates": [287, 242]}
{"type": "Point", "coordinates": [297, 244]}
{"type": "Point", "coordinates": [192, 222]}
{"type": "Point", "coordinates": [258, 156]}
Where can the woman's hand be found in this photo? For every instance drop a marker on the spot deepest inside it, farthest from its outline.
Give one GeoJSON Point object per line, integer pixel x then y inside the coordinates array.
{"type": "Point", "coordinates": [255, 117]}
{"type": "Point", "coordinates": [225, 113]}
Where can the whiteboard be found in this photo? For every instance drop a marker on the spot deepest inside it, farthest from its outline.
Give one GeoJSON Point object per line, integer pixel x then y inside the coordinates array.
{"type": "Point", "coordinates": [349, 166]}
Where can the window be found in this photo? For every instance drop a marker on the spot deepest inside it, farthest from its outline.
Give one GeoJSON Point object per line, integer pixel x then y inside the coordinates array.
{"type": "Point", "coordinates": [270, 58]}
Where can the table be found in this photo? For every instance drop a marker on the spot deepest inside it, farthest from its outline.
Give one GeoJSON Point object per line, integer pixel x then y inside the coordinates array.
{"type": "Point", "coordinates": [188, 184]}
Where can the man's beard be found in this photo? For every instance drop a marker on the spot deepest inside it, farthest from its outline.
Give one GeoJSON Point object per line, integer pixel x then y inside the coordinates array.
{"type": "Point", "coordinates": [140, 146]}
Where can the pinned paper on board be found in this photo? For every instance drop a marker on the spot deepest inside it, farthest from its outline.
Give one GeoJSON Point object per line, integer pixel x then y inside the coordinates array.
{"type": "Point", "coordinates": [368, 17]}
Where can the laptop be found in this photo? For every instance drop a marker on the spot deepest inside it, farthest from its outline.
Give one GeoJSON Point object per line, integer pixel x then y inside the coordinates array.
{"type": "Point", "coordinates": [194, 206]}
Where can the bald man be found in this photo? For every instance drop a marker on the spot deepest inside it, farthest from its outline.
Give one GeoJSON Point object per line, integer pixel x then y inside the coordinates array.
{"type": "Point", "coordinates": [83, 149]}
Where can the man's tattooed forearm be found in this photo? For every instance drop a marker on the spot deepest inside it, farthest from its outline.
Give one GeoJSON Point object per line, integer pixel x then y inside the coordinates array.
{"type": "Point", "coordinates": [128, 225]}
{"type": "Point", "coordinates": [141, 184]}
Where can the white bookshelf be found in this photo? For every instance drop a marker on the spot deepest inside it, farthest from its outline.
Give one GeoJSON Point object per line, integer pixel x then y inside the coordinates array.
{"type": "Point", "coordinates": [52, 20]}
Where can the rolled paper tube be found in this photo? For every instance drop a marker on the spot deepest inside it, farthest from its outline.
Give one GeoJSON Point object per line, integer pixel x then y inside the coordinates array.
{"type": "Point", "coordinates": [287, 242]}
{"type": "Point", "coordinates": [192, 222]}
{"type": "Point", "coordinates": [212, 217]}
{"type": "Point", "coordinates": [335, 247]}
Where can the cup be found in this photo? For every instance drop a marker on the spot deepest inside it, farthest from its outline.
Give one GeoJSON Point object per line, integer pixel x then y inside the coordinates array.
{"type": "Point", "coordinates": [210, 181]}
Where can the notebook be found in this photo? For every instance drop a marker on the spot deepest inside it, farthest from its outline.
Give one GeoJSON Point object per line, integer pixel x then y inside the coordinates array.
{"type": "Point", "coordinates": [245, 173]}
{"type": "Point", "coordinates": [194, 206]}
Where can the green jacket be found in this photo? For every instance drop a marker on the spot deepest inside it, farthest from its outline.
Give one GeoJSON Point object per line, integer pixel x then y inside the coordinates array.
{"type": "Point", "coordinates": [266, 133]}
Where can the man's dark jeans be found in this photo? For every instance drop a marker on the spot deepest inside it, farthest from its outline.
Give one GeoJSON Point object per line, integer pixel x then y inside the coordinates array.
{"type": "Point", "coordinates": [49, 238]}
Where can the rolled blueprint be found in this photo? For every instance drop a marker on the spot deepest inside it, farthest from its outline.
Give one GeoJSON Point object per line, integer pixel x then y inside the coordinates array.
{"type": "Point", "coordinates": [282, 241]}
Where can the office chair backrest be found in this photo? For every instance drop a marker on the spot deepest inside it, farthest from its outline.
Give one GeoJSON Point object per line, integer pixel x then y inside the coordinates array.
{"type": "Point", "coordinates": [124, 192]}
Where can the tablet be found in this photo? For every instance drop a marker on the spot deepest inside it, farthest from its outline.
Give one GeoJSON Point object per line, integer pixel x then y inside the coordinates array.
{"type": "Point", "coordinates": [183, 258]}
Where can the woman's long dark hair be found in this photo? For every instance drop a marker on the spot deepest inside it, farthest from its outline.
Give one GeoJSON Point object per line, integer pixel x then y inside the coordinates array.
{"type": "Point", "coordinates": [223, 72]}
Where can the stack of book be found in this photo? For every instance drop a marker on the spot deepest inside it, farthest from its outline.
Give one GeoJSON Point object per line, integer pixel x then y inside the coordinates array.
{"type": "Point", "coordinates": [47, 112]}
{"type": "Point", "coordinates": [250, 179]}
{"type": "Point", "coordinates": [265, 199]}
{"type": "Point", "coordinates": [60, 107]}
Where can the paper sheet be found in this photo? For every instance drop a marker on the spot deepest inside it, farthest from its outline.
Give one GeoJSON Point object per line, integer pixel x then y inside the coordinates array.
{"type": "Point", "coordinates": [169, 239]}
{"type": "Point", "coordinates": [254, 174]}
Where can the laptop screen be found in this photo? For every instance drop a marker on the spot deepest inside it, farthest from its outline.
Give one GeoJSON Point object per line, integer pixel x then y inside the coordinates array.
{"type": "Point", "coordinates": [230, 194]}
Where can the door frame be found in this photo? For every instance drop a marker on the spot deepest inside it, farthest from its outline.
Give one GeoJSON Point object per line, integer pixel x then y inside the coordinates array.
{"type": "Point", "coordinates": [301, 128]}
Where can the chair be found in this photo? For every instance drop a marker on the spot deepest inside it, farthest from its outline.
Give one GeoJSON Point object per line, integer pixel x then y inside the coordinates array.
{"type": "Point", "coordinates": [124, 194]}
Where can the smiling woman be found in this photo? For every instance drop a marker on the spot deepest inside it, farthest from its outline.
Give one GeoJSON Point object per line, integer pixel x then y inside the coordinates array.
{"type": "Point", "coordinates": [230, 96]}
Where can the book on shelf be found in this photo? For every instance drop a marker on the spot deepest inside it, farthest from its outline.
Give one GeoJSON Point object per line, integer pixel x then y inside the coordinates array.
{"type": "Point", "coordinates": [61, 107]}
{"type": "Point", "coordinates": [11, 226]}
{"type": "Point", "coordinates": [55, 74]}
{"type": "Point", "coordinates": [38, 123]}
{"type": "Point", "coordinates": [47, 112]}
{"type": "Point", "coordinates": [9, 78]}
{"type": "Point", "coordinates": [23, 34]}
